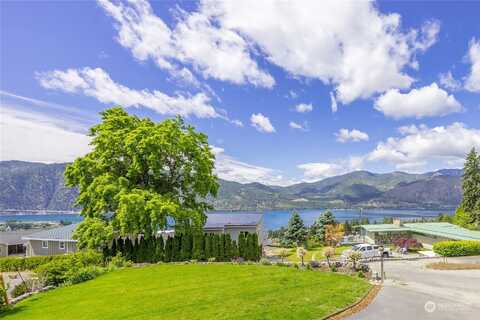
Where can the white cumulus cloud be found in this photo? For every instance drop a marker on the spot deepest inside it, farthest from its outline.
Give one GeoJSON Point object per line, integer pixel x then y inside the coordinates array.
{"type": "Point", "coordinates": [427, 101]}
{"type": "Point", "coordinates": [31, 136]}
{"type": "Point", "coordinates": [232, 169]}
{"type": "Point", "coordinates": [345, 135]}
{"type": "Point", "coordinates": [303, 107]}
{"type": "Point", "coordinates": [314, 171]}
{"type": "Point", "coordinates": [349, 44]}
{"type": "Point", "coordinates": [96, 83]}
{"type": "Point", "coordinates": [261, 123]}
{"type": "Point", "coordinates": [449, 82]}
{"type": "Point", "coordinates": [472, 82]}
{"type": "Point", "coordinates": [196, 40]}
{"type": "Point", "coordinates": [298, 126]}
{"type": "Point", "coordinates": [420, 146]}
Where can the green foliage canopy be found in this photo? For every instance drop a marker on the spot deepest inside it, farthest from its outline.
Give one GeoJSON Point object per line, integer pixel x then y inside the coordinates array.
{"type": "Point", "coordinates": [139, 174]}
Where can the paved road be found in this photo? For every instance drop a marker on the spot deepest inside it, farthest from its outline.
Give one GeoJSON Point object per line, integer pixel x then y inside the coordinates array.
{"type": "Point", "coordinates": [414, 292]}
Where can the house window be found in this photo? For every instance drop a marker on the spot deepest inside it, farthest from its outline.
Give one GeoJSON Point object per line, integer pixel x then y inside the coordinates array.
{"type": "Point", "coordinates": [61, 245]}
{"type": "Point", "coordinates": [44, 244]}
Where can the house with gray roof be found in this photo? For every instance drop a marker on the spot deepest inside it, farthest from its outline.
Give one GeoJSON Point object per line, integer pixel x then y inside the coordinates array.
{"type": "Point", "coordinates": [11, 242]}
{"type": "Point", "coordinates": [51, 241]}
{"type": "Point", "coordinates": [60, 240]}
{"type": "Point", "coordinates": [235, 223]}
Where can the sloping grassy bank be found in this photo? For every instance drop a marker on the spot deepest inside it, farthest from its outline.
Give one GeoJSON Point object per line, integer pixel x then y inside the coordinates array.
{"type": "Point", "coordinates": [195, 291]}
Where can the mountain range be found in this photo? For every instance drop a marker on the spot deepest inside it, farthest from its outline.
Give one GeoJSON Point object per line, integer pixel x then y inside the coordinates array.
{"type": "Point", "coordinates": [38, 186]}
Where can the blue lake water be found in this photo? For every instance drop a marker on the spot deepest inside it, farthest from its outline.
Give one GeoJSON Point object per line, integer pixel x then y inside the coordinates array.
{"type": "Point", "coordinates": [273, 219]}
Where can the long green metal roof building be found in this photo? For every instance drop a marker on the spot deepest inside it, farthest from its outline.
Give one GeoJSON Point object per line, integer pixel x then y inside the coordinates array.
{"type": "Point", "coordinates": [439, 229]}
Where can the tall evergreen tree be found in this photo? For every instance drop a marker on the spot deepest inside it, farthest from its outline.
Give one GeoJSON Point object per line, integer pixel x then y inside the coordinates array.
{"type": "Point", "coordinates": [235, 253]}
{"type": "Point", "coordinates": [128, 249]}
{"type": "Point", "coordinates": [208, 246]}
{"type": "Point", "coordinates": [470, 205]}
{"type": "Point", "coordinates": [241, 245]}
{"type": "Point", "coordinates": [177, 247]}
{"type": "Point", "coordinates": [228, 247]}
{"type": "Point", "coordinates": [136, 247]}
{"type": "Point", "coordinates": [121, 246]}
{"type": "Point", "coordinates": [216, 247]}
{"type": "Point", "coordinates": [296, 232]}
{"type": "Point", "coordinates": [186, 246]}
{"type": "Point", "coordinates": [320, 224]}
{"type": "Point", "coordinates": [198, 246]}
{"type": "Point", "coordinates": [113, 249]}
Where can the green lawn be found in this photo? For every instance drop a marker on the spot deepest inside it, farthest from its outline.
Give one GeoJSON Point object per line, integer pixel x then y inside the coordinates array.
{"type": "Point", "coordinates": [214, 291]}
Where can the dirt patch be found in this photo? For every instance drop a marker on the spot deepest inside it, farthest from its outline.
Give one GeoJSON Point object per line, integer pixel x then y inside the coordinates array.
{"type": "Point", "coordinates": [358, 306]}
{"type": "Point", "coordinates": [453, 266]}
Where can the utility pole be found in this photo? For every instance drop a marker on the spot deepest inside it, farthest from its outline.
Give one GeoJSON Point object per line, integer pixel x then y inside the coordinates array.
{"type": "Point", "coordinates": [380, 249]}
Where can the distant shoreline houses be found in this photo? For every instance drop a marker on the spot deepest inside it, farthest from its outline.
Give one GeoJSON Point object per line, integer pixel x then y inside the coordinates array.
{"type": "Point", "coordinates": [60, 240]}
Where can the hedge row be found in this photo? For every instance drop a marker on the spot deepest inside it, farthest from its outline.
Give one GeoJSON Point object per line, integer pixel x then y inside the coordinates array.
{"type": "Point", "coordinates": [457, 248]}
{"type": "Point", "coordinates": [186, 246]}
{"type": "Point", "coordinates": [11, 264]}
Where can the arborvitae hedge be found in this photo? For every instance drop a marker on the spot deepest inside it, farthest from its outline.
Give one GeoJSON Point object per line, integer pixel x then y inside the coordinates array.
{"type": "Point", "coordinates": [186, 246]}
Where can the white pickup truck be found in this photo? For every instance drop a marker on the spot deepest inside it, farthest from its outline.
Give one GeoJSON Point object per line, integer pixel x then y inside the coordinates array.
{"type": "Point", "coordinates": [368, 251]}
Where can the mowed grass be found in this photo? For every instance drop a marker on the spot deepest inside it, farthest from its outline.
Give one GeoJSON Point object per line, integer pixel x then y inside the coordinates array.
{"type": "Point", "coordinates": [210, 291]}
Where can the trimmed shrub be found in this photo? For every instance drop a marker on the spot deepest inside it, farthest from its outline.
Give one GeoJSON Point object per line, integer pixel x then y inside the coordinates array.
{"type": "Point", "coordinates": [74, 276]}
{"type": "Point", "coordinates": [119, 262]}
{"type": "Point", "coordinates": [59, 271]}
{"type": "Point", "coordinates": [22, 264]}
{"type": "Point", "coordinates": [457, 248]}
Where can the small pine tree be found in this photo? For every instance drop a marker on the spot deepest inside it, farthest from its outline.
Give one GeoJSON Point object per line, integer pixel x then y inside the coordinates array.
{"type": "Point", "coordinates": [221, 247]}
{"type": "Point", "coordinates": [296, 232]}
{"type": "Point", "coordinates": [128, 249]}
{"type": "Point", "coordinates": [186, 246]}
{"type": "Point", "coordinates": [241, 245]}
{"type": "Point", "coordinates": [106, 252]}
{"type": "Point", "coordinates": [216, 247]}
{"type": "Point", "coordinates": [113, 249]}
{"type": "Point", "coordinates": [235, 253]}
{"type": "Point", "coordinates": [136, 247]}
{"type": "Point", "coordinates": [121, 246]}
{"type": "Point", "coordinates": [228, 247]}
{"type": "Point", "coordinates": [208, 246]}
{"type": "Point", "coordinates": [251, 248]}
{"type": "Point", "coordinates": [198, 246]}
{"type": "Point", "coordinates": [177, 247]}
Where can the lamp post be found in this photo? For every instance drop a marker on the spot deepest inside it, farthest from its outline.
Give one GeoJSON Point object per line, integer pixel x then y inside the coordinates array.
{"type": "Point", "coordinates": [380, 249]}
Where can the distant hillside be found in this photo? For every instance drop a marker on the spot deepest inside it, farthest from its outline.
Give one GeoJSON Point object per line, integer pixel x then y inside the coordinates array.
{"type": "Point", "coordinates": [36, 186]}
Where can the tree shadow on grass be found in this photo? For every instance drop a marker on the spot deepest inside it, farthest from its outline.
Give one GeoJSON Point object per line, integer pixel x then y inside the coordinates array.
{"type": "Point", "coordinates": [11, 311]}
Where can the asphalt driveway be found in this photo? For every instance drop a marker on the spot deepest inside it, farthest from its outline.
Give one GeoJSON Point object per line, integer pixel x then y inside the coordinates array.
{"type": "Point", "coordinates": [412, 291]}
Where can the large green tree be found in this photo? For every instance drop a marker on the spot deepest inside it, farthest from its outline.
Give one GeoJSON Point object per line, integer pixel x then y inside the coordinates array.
{"type": "Point", "coordinates": [296, 232]}
{"type": "Point", "coordinates": [139, 174]}
{"type": "Point", "coordinates": [468, 215]}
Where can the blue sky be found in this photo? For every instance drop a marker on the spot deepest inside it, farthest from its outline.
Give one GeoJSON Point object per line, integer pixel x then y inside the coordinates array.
{"type": "Point", "coordinates": [405, 77]}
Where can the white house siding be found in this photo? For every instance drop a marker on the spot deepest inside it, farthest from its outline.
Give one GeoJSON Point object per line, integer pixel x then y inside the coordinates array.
{"type": "Point", "coordinates": [34, 248]}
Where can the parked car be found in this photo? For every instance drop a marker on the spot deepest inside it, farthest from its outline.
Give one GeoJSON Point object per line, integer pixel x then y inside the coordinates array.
{"type": "Point", "coordinates": [368, 251]}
